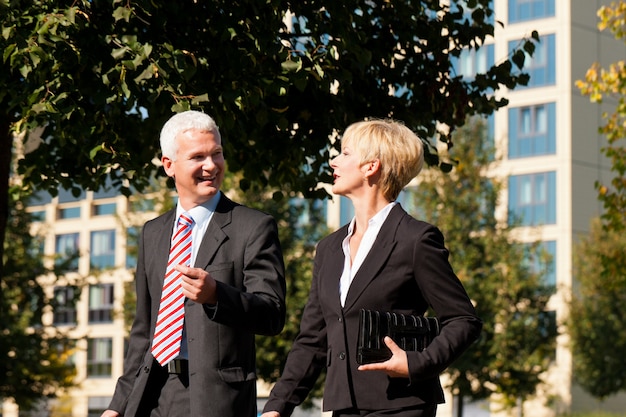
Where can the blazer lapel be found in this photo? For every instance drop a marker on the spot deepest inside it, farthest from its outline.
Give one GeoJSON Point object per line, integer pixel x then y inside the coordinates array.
{"type": "Point", "coordinates": [162, 243]}
{"type": "Point", "coordinates": [377, 256]}
{"type": "Point", "coordinates": [214, 235]}
{"type": "Point", "coordinates": [331, 269]}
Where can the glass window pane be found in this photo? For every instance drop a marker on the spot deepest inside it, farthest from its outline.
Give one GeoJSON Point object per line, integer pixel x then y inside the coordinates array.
{"type": "Point", "coordinates": [532, 198]}
{"type": "Point", "coordinates": [102, 252]}
{"type": "Point", "coordinates": [524, 10]}
{"type": "Point", "coordinates": [66, 248]}
{"type": "Point", "coordinates": [99, 357]}
{"type": "Point", "coordinates": [101, 303]}
{"type": "Point", "coordinates": [104, 209]}
{"type": "Point", "coordinates": [69, 213]}
{"type": "Point", "coordinates": [534, 133]}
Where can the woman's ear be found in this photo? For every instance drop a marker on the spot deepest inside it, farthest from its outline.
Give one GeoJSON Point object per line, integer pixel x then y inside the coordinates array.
{"type": "Point", "coordinates": [372, 167]}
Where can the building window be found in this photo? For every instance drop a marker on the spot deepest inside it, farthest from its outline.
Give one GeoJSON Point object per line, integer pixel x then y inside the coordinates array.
{"type": "Point", "coordinates": [532, 199]}
{"type": "Point", "coordinates": [542, 65]}
{"type": "Point", "coordinates": [532, 130]}
{"type": "Point", "coordinates": [99, 357]}
{"type": "Point", "coordinates": [543, 261]}
{"type": "Point", "coordinates": [66, 249]}
{"type": "Point", "coordinates": [102, 253]}
{"type": "Point", "coordinates": [524, 10]}
{"type": "Point", "coordinates": [65, 305]}
{"type": "Point", "coordinates": [548, 266]}
{"type": "Point", "coordinates": [473, 61]}
{"type": "Point", "coordinates": [104, 209]}
{"type": "Point", "coordinates": [101, 303]}
{"type": "Point", "coordinates": [69, 213]}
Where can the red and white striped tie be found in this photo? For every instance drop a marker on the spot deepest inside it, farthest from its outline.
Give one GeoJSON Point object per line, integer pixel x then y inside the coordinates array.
{"type": "Point", "coordinates": [169, 325]}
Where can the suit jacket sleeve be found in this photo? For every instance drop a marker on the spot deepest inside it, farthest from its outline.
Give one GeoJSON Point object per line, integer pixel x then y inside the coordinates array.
{"type": "Point", "coordinates": [444, 292]}
{"type": "Point", "coordinates": [307, 357]}
{"type": "Point", "coordinates": [139, 342]}
{"type": "Point", "coordinates": [257, 304]}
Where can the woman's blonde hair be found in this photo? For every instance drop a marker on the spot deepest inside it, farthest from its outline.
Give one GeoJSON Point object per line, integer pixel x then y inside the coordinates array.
{"type": "Point", "coordinates": [399, 150]}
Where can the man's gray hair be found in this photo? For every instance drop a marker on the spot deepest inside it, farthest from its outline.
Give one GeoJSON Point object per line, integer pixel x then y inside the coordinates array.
{"type": "Point", "coordinates": [181, 122]}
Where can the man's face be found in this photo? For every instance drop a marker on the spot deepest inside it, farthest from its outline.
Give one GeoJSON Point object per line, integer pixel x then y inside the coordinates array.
{"type": "Point", "coordinates": [199, 167]}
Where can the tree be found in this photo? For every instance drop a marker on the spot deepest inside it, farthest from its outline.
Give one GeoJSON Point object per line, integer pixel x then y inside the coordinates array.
{"type": "Point", "coordinates": [97, 79]}
{"type": "Point", "coordinates": [517, 343]}
{"type": "Point", "coordinates": [35, 358]}
{"type": "Point", "coordinates": [596, 322]}
{"type": "Point", "coordinates": [599, 264]}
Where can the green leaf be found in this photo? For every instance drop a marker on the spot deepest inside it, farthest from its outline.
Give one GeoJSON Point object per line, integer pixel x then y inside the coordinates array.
{"type": "Point", "coordinates": [292, 65]}
{"type": "Point", "coordinates": [8, 51]}
{"type": "Point", "coordinates": [6, 31]}
{"type": "Point", "coordinates": [518, 58]}
{"type": "Point", "coordinates": [122, 13]}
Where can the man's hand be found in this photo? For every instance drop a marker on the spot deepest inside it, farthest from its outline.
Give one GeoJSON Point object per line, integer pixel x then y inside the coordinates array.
{"type": "Point", "coordinates": [270, 414]}
{"type": "Point", "coordinates": [198, 285]}
{"type": "Point", "coordinates": [396, 367]}
{"type": "Point", "coordinates": [110, 413]}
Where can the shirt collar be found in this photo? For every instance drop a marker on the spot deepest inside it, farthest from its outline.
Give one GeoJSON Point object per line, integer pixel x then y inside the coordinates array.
{"type": "Point", "coordinates": [202, 212]}
{"type": "Point", "coordinates": [378, 218]}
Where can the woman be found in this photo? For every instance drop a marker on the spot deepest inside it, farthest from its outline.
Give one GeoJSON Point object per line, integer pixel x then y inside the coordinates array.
{"type": "Point", "coordinates": [386, 260]}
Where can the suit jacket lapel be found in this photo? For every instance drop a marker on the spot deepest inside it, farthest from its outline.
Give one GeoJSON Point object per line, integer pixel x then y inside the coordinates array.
{"type": "Point", "coordinates": [331, 269]}
{"type": "Point", "coordinates": [214, 235]}
{"type": "Point", "coordinates": [163, 242]}
{"type": "Point", "coordinates": [377, 256]}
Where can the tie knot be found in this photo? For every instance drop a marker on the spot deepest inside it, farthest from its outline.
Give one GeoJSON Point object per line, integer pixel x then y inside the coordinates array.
{"type": "Point", "coordinates": [185, 220]}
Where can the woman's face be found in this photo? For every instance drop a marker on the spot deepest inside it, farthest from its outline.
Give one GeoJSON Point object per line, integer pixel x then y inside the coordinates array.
{"type": "Point", "coordinates": [348, 174]}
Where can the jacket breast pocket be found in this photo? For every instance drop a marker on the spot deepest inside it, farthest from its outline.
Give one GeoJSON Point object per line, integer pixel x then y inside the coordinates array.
{"type": "Point", "coordinates": [223, 272]}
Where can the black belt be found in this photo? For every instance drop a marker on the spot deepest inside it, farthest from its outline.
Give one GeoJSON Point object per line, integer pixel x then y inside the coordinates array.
{"type": "Point", "coordinates": [178, 366]}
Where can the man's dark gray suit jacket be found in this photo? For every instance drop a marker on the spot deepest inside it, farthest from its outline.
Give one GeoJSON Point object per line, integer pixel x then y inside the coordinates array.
{"type": "Point", "coordinates": [406, 271]}
{"type": "Point", "coordinates": [241, 251]}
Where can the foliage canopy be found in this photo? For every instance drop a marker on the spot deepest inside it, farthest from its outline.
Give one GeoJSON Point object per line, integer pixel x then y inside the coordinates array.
{"type": "Point", "coordinates": [99, 78]}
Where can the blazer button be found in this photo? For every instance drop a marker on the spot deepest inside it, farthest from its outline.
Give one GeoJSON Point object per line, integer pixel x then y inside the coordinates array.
{"type": "Point", "coordinates": [342, 355]}
{"type": "Point", "coordinates": [340, 320]}
{"type": "Point", "coordinates": [146, 369]}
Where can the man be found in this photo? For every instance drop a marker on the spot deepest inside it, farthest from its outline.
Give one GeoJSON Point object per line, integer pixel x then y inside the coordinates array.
{"type": "Point", "coordinates": [202, 360]}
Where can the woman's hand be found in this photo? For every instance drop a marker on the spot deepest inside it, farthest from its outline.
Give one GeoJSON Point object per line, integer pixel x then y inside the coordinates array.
{"type": "Point", "coordinates": [396, 367]}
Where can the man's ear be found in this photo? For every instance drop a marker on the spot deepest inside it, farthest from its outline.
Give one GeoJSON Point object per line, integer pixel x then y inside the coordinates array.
{"type": "Point", "coordinates": [167, 166]}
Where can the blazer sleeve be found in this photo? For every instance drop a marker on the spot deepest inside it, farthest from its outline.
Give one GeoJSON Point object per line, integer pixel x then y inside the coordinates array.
{"type": "Point", "coordinates": [307, 357]}
{"type": "Point", "coordinates": [444, 292]}
{"type": "Point", "coordinates": [139, 339]}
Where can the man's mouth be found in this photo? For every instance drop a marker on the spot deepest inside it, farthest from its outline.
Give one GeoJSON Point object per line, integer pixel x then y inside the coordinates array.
{"type": "Point", "coordinates": [206, 179]}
